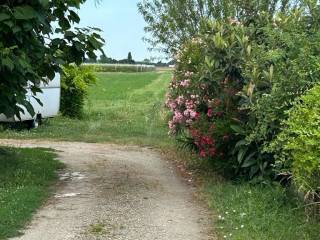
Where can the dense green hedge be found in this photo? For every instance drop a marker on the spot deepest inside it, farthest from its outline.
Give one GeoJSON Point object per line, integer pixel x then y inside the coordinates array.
{"type": "Point", "coordinates": [74, 88]}
{"type": "Point", "coordinates": [120, 67]}
{"type": "Point", "coordinates": [298, 145]}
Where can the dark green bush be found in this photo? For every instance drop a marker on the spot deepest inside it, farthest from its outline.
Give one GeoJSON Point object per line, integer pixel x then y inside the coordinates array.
{"type": "Point", "coordinates": [284, 64]}
{"type": "Point", "coordinates": [74, 89]}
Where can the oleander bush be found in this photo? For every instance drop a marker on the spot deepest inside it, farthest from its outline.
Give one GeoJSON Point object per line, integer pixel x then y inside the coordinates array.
{"type": "Point", "coordinates": [203, 93]}
{"type": "Point", "coordinates": [119, 67]}
{"type": "Point", "coordinates": [74, 89]}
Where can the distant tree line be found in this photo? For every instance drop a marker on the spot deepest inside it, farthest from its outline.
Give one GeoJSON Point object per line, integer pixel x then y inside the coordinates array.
{"type": "Point", "coordinates": [129, 60]}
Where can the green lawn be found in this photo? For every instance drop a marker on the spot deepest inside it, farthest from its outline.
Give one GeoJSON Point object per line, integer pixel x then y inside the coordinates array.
{"type": "Point", "coordinates": [127, 108]}
{"type": "Point", "coordinates": [122, 108]}
{"type": "Point", "coordinates": [258, 212]}
{"type": "Point", "coordinates": [25, 177]}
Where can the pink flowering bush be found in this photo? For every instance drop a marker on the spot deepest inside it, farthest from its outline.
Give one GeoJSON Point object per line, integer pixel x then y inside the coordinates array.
{"type": "Point", "coordinates": [202, 96]}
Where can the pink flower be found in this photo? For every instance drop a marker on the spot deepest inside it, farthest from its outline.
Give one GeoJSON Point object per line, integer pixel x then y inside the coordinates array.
{"type": "Point", "coordinates": [190, 104]}
{"type": "Point", "coordinates": [172, 106]}
{"type": "Point", "coordinates": [210, 113]}
{"type": "Point", "coordinates": [188, 74]}
{"type": "Point", "coordinates": [185, 83]}
{"type": "Point", "coordinates": [180, 100]}
{"type": "Point", "coordinates": [212, 152]}
{"type": "Point", "coordinates": [178, 117]}
{"type": "Point", "coordinates": [203, 153]}
{"type": "Point", "coordinates": [189, 121]}
{"type": "Point", "coordinates": [193, 114]}
{"type": "Point", "coordinates": [171, 125]}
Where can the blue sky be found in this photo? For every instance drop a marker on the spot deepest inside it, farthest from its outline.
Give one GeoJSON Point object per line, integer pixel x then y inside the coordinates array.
{"type": "Point", "coordinates": [122, 27]}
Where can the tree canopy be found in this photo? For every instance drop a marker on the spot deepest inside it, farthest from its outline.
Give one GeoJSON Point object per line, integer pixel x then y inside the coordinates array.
{"type": "Point", "coordinates": [36, 39]}
{"type": "Point", "coordinates": [172, 22]}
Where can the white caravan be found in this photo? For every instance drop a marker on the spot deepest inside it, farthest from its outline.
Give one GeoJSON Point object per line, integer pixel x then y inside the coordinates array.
{"type": "Point", "coordinates": [50, 98]}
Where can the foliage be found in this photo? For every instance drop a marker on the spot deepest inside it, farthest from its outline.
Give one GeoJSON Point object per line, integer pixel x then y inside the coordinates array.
{"type": "Point", "coordinates": [275, 74]}
{"type": "Point", "coordinates": [119, 68]}
{"type": "Point", "coordinates": [231, 92]}
{"type": "Point", "coordinates": [74, 89]}
{"type": "Point", "coordinates": [32, 49]}
{"type": "Point", "coordinates": [25, 176]}
{"type": "Point", "coordinates": [297, 146]}
{"type": "Point", "coordinates": [203, 93]}
{"type": "Point", "coordinates": [172, 23]}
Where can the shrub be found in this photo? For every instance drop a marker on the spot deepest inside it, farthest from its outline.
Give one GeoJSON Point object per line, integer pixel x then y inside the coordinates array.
{"type": "Point", "coordinates": [234, 83]}
{"type": "Point", "coordinates": [203, 93]}
{"type": "Point", "coordinates": [283, 65]}
{"type": "Point", "coordinates": [297, 146]}
{"type": "Point", "coordinates": [74, 88]}
{"type": "Point", "coordinates": [119, 68]}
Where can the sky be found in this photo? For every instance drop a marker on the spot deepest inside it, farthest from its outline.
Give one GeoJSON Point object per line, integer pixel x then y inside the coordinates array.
{"type": "Point", "coordinates": [122, 26]}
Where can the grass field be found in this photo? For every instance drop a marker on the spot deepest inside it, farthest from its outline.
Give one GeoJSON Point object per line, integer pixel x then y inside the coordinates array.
{"type": "Point", "coordinates": [122, 108]}
{"type": "Point", "coordinates": [25, 177]}
{"type": "Point", "coordinates": [127, 108]}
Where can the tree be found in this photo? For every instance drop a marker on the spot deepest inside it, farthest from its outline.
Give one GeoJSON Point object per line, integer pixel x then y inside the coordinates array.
{"type": "Point", "coordinates": [171, 23]}
{"type": "Point", "coordinates": [36, 39]}
{"type": "Point", "coordinates": [130, 59]}
{"type": "Point", "coordinates": [103, 59]}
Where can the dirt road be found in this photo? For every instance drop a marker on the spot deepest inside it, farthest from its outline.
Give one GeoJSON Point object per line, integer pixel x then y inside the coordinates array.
{"type": "Point", "coordinates": [116, 193]}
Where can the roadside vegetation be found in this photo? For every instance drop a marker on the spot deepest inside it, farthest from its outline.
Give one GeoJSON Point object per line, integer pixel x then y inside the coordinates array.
{"type": "Point", "coordinates": [128, 108]}
{"type": "Point", "coordinates": [26, 176]}
{"type": "Point", "coordinates": [244, 91]}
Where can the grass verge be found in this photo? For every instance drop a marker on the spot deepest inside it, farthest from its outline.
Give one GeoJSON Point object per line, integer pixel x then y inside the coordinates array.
{"type": "Point", "coordinates": [257, 212]}
{"type": "Point", "coordinates": [25, 177]}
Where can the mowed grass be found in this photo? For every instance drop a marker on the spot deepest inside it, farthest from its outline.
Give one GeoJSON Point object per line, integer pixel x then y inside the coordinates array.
{"type": "Point", "coordinates": [25, 177]}
{"type": "Point", "coordinates": [122, 108]}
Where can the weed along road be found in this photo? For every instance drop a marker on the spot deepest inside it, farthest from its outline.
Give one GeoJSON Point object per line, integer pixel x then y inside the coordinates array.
{"type": "Point", "coordinates": [115, 192]}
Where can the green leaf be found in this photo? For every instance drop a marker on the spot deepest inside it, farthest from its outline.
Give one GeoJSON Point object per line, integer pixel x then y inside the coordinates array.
{"type": "Point", "coordinates": [249, 161]}
{"type": "Point", "coordinates": [44, 3]}
{"type": "Point", "coordinates": [238, 129]}
{"type": "Point", "coordinates": [241, 154]}
{"type": "Point", "coordinates": [4, 16]}
{"type": "Point", "coordinates": [8, 63]}
{"type": "Point", "coordinates": [24, 12]}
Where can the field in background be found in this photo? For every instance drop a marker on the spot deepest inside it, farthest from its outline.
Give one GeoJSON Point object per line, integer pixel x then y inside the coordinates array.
{"type": "Point", "coordinates": [122, 108]}
{"type": "Point", "coordinates": [101, 67]}
{"type": "Point", "coordinates": [25, 178]}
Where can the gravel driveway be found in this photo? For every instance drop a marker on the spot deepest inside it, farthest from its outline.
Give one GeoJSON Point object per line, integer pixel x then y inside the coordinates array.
{"type": "Point", "coordinates": [115, 193]}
